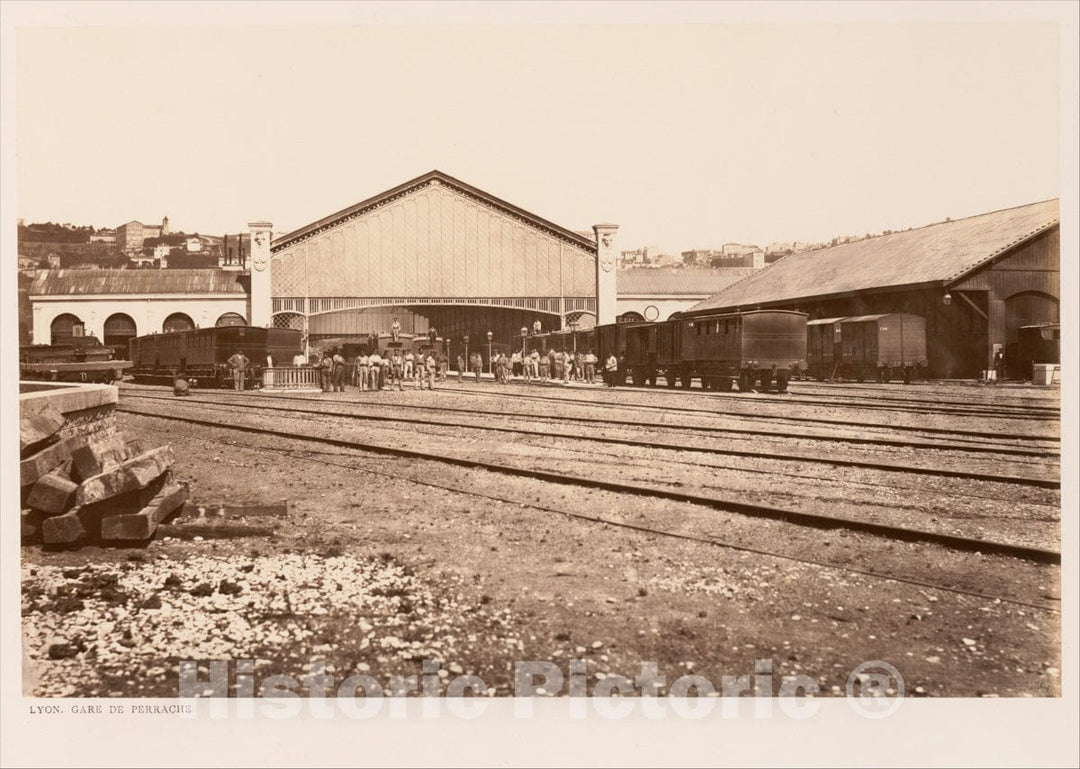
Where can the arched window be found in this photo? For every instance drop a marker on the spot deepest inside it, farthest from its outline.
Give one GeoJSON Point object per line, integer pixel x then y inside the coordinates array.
{"type": "Point", "coordinates": [64, 327]}
{"type": "Point", "coordinates": [119, 328]}
{"type": "Point", "coordinates": [178, 321]}
{"type": "Point", "coordinates": [231, 319]}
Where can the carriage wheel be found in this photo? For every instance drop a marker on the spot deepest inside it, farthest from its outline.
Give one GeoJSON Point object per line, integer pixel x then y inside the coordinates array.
{"type": "Point", "coordinates": [686, 380]}
{"type": "Point", "coordinates": [782, 378]}
{"type": "Point", "coordinates": [669, 377]}
{"type": "Point", "coordinates": [725, 384]}
{"type": "Point", "coordinates": [766, 380]}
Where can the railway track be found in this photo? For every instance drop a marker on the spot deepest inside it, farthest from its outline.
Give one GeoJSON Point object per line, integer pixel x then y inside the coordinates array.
{"type": "Point", "coordinates": [1029, 406]}
{"type": "Point", "coordinates": [991, 445]}
{"type": "Point", "coordinates": [761, 511]}
{"type": "Point", "coordinates": [892, 467]}
{"type": "Point", "coordinates": [996, 436]}
{"type": "Point", "coordinates": [996, 394]}
{"type": "Point", "coordinates": [875, 402]}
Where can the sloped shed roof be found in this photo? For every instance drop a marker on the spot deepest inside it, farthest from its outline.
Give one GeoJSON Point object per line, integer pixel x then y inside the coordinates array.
{"type": "Point", "coordinates": [938, 253]}
{"type": "Point", "coordinates": [88, 282]}
{"type": "Point", "coordinates": [678, 281]}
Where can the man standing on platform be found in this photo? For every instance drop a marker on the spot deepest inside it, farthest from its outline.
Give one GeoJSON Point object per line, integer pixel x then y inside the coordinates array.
{"type": "Point", "coordinates": [590, 367]}
{"type": "Point", "coordinates": [431, 367]}
{"type": "Point", "coordinates": [477, 364]}
{"type": "Point", "coordinates": [326, 369]}
{"type": "Point", "coordinates": [374, 372]}
{"type": "Point", "coordinates": [397, 369]}
{"type": "Point", "coordinates": [238, 363]}
{"type": "Point", "coordinates": [611, 370]}
{"type": "Point", "coordinates": [339, 372]}
{"type": "Point", "coordinates": [362, 369]}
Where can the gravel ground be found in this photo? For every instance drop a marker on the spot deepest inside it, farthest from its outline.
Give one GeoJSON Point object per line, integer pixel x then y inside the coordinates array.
{"type": "Point", "coordinates": [380, 565]}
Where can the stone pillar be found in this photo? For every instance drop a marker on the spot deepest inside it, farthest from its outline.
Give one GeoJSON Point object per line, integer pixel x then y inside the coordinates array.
{"type": "Point", "coordinates": [605, 272]}
{"type": "Point", "coordinates": [39, 332]}
{"type": "Point", "coordinates": [259, 253]}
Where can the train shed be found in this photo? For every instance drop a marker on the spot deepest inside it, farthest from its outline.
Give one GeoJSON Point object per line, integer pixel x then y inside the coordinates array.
{"type": "Point", "coordinates": [437, 253]}
{"type": "Point", "coordinates": [976, 281]}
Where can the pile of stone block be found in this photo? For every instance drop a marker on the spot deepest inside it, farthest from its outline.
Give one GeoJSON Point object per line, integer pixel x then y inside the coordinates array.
{"type": "Point", "coordinates": [92, 487]}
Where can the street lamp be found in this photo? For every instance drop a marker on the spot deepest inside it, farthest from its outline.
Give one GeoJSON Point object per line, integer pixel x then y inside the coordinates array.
{"type": "Point", "coordinates": [466, 340]}
{"type": "Point", "coordinates": [524, 333]}
{"type": "Point", "coordinates": [573, 324]}
{"type": "Point", "coordinates": [490, 369]}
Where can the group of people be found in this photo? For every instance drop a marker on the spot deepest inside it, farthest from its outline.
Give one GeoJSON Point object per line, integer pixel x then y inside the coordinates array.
{"type": "Point", "coordinates": [373, 372]}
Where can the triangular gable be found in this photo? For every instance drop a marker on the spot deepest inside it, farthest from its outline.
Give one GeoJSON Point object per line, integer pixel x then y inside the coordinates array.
{"type": "Point", "coordinates": [439, 177]}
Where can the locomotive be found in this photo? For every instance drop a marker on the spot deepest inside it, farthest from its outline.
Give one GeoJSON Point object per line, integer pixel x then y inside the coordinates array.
{"type": "Point", "coordinates": [874, 347]}
{"type": "Point", "coordinates": [202, 354]}
{"type": "Point", "coordinates": [79, 359]}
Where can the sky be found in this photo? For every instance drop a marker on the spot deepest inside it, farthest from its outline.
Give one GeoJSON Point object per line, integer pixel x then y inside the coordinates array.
{"type": "Point", "coordinates": [689, 128]}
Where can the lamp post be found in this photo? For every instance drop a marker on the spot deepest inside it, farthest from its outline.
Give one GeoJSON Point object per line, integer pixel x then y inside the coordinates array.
{"type": "Point", "coordinates": [490, 369]}
{"type": "Point", "coordinates": [466, 340]}
{"type": "Point", "coordinates": [524, 333]}
{"type": "Point", "coordinates": [573, 324]}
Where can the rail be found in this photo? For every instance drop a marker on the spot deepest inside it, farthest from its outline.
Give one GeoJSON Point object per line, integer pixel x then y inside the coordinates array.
{"type": "Point", "coordinates": [291, 378]}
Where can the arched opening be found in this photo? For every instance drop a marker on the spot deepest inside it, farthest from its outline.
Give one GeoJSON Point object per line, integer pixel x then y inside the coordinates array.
{"type": "Point", "coordinates": [1029, 308]}
{"type": "Point", "coordinates": [64, 327]}
{"type": "Point", "coordinates": [630, 317]}
{"type": "Point", "coordinates": [231, 319]}
{"type": "Point", "coordinates": [178, 321]}
{"type": "Point", "coordinates": [119, 328]}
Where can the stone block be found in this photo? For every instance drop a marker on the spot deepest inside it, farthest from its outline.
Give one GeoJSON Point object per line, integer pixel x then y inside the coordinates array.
{"type": "Point", "coordinates": [64, 529]}
{"type": "Point", "coordinates": [132, 474]}
{"type": "Point", "coordinates": [34, 467]}
{"type": "Point", "coordinates": [141, 525]}
{"type": "Point", "coordinates": [54, 493]}
{"type": "Point", "coordinates": [39, 429]}
{"type": "Point", "coordinates": [30, 522]}
{"type": "Point", "coordinates": [98, 455]}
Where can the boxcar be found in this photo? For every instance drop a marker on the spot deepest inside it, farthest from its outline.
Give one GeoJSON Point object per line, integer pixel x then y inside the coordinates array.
{"type": "Point", "coordinates": [203, 353]}
{"type": "Point", "coordinates": [823, 347]}
{"type": "Point", "coordinates": [879, 346]}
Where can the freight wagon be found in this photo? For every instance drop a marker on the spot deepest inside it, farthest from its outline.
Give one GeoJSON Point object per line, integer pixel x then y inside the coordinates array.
{"type": "Point", "coordinates": [79, 359]}
{"type": "Point", "coordinates": [877, 347]}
